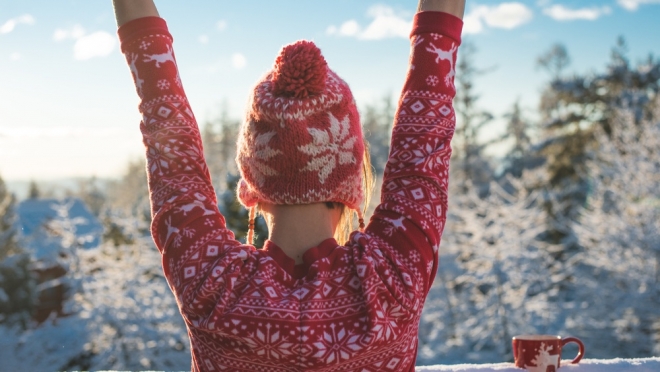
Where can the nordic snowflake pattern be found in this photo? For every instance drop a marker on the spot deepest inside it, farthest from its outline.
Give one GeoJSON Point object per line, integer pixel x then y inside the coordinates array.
{"type": "Point", "coordinates": [163, 84]}
{"type": "Point", "coordinates": [356, 307]}
{"type": "Point", "coordinates": [432, 80]}
{"type": "Point", "coordinates": [330, 147]}
{"type": "Point", "coordinates": [258, 167]}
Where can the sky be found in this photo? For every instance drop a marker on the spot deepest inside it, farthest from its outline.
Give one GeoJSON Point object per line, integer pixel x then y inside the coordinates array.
{"type": "Point", "coordinates": [69, 109]}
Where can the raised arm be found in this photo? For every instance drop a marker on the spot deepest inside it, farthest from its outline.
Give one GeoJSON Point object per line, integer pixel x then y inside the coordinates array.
{"type": "Point", "coordinates": [128, 10]}
{"type": "Point", "coordinates": [453, 7]}
{"type": "Point", "coordinates": [187, 226]}
{"type": "Point", "coordinates": [413, 209]}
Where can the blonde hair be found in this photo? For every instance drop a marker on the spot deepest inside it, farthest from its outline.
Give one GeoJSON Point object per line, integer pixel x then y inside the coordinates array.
{"type": "Point", "coordinates": [348, 216]}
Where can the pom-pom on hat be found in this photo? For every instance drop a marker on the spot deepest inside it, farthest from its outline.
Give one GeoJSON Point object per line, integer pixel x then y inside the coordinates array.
{"type": "Point", "coordinates": [301, 141]}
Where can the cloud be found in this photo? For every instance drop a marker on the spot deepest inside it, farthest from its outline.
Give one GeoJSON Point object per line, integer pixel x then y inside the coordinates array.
{"type": "Point", "coordinates": [221, 25]}
{"type": "Point", "coordinates": [348, 28]}
{"type": "Point", "coordinates": [203, 39]}
{"type": "Point", "coordinates": [87, 46]}
{"type": "Point", "coordinates": [385, 23]}
{"type": "Point", "coordinates": [97, 44]}
{"type": "Point", "coordinates": [74, 32]}
{"type": "Point", "coordinates": [9, 26]}
{"type": "Point", "coordinates": [15, 56]}
{"type": "Point", "coordinates": [505, 15]}
{"type": "Point", "coordinates": [632, 5]}
{"type": "Point", "coordinates": [238, 61]}
{"type": "Point", "coordinates": [561, 13]}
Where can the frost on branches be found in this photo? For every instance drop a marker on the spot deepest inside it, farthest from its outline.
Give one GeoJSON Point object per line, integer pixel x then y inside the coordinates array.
{"type": "Point", "coordinates": [121, 316]}
{"type": "Point", "coordinates": [620, 227]}
{"type": "Point", "coordinates": [17, 285]}
{"type": "Point", "coordinates": [499, 277]}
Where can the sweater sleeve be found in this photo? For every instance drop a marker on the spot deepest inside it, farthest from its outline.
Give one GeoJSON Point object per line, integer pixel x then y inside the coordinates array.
{"type": "Point", "coordinates": [187, 226]}
{"type": "Point", "coordinates": [413, 208]}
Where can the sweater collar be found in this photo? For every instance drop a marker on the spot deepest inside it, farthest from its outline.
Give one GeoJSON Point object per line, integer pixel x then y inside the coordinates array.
{"type": "Point", "coordinates": [324, 249]}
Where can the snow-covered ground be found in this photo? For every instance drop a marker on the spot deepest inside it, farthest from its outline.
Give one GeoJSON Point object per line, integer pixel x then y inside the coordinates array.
{"type": "Point", "coordinates": [498, 277]}
{"type": "Point", "coordinates": [586, 365]}
{"type": "Point", "coordinates": [123, 317]}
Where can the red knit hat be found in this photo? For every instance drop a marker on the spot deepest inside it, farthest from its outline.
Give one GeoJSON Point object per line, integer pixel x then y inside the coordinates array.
{"type": "Point", "coordinates": [301, 141]}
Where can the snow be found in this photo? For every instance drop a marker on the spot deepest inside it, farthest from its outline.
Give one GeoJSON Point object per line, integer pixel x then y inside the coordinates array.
{"type": "Point", "coordinates": [586, 365]}
{"type": "Point", "coordinates": [122, 317]}
{"type": "Point", "coordinates": [39, 219]}
{"type": "Point", "coordinates": [497, 278]}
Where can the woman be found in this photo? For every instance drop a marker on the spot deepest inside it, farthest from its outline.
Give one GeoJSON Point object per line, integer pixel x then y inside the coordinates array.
{"type": "Point", "coordinates": [303, 302]}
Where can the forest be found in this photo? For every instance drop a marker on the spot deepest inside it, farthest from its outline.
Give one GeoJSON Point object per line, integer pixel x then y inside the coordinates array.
{"type": "Point", "coordinates": [559, 234]}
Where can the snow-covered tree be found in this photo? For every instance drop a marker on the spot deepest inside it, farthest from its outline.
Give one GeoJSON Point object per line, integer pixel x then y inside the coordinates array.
{"type": "Point", "coordinates": [236, 216]}
{"type": "Point", "coordinates": [494, 276]}
{"type": "Point", "coordinates": [129, 196]}
{"type": "Point", "coordinates": [471, 120]}
{"type": "Point", "coordinates": [123, 316]}
{"type": "Point", "coordinates": [377, 120]}
{"type": "Point", "coordinates": [503, 273]}
{"type": "Point", "coordinates": [17, 285]}
{"type": "Point", "coordinates": [219, 138]}
{"type": "Point", "coordinates": [620, 228]}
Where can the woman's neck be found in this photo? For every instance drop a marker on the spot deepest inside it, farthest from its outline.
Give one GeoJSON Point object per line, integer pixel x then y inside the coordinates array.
{"type": "Point", "coordinates": [297, 228]}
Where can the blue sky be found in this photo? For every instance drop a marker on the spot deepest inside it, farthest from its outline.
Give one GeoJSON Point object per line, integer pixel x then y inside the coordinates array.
{"type": "Point", "coordinates": [69, 108]}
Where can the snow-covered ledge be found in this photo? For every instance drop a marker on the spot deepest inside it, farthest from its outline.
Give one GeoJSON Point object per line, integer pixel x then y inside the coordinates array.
{"type": "Point", "coordinates": [586, 365]}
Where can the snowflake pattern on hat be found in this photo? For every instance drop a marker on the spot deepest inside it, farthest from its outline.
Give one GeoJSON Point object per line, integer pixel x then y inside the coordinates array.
{"type": "Point", "coordinates": [262, 153]}
{"type": "Point", "coordinates": [309, 116]}
{"type": "Point", "coordinates": [330, 147]}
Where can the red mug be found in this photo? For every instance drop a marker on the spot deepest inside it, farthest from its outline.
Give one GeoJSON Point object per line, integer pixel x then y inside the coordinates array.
{"type": "Point", "coordinates": [542, 353]}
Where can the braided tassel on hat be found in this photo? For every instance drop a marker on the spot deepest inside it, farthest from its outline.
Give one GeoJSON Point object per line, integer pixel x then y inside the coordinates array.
{"type": "Point", "coordinates": [250, 234]}
{"type": "Point", "coordinates": [301, 141]}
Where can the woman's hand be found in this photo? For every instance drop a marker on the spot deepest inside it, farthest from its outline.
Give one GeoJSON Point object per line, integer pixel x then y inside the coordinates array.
{"type": "Point", "coordinates": [128, 10]}
{"type": "Point", "coordinates": [453, 7]}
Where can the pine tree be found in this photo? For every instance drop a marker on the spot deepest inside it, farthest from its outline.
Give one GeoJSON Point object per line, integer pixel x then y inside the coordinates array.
{"type": "Point", "coordinates": [520, 156]}
{"type": "Point", "coordinates": [377, 121]}
{"type": "Point", "coordinates": [91, 193]}
{"type": "Point", "coordinates": [130, 195]}
{"type": "Point", "coordinates": [471, 119]}
{"type": "Point", "coordinates": [219, 137]}
{"type": "Point", "coordinates": [34, 192]}
{"type": "Point", "coordinates": [17, 285]}
{"type": "Point", "coordinates": [620, 228]}
{"type": "Point", "coordinates": [236, 216]}
{"type": "Point", "coordinates": [8, 244]}
{"type": "Point", "coordinates": [572, 109]}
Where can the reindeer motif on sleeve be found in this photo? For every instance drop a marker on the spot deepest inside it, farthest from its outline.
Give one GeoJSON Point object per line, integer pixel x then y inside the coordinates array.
{"type": "Point", "coordinates": [161, 58]}
{"type": "Point", "coordinates": [189, 207]}
{"type": "Point", "coordinates": [446, 55]}
{"type": "Point", "coordinates": [138, 82]}
{"type": "Point", "coordinates": [171, 229]}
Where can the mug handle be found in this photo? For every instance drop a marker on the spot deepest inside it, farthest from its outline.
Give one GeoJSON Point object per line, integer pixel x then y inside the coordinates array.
{"type": "Point", "coordinates": [580, 348]}
{"type": "Point", "coordinates": [514, 346]}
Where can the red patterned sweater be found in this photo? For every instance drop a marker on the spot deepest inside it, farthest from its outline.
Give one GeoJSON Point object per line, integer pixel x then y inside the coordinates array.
{"type": "Point", "coordinates": [352, 307]}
